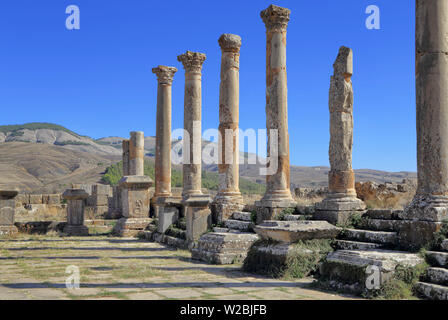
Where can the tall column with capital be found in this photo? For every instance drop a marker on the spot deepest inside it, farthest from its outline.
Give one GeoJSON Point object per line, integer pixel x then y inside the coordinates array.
{"type": "Point", "coordinates": [430, 204]}
{"type": "Point", "coordinates": [278, 194]}
{"type": "Point", "coordinates": [192, 62]}
{"type": "Point", "coordinates": [228, 199]}
{"type": "Point", "coordinates": [341, 202]}
{"type": "Point", "coordinates": [195, 203]}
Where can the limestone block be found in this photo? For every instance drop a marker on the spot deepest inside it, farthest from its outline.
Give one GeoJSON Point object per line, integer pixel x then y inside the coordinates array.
{"type": "Point", "coordinates": [6, 216]}
{"type": "Point", "coordinates": [167, 217]}
{"type": "Point", "coordinates": [101, 189]}
{"type": "Point", "coordinates": [293, 231]}
{"type": "Point", "coordinates": [135, 196]}
{"type": "Point", "coordinates": [198, 222]}
{"type": "Point", "coordinates": [36, 199]}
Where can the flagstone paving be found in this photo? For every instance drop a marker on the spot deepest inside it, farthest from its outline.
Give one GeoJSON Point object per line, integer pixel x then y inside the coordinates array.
{"type": "Point", "coordinates": [34, 267]}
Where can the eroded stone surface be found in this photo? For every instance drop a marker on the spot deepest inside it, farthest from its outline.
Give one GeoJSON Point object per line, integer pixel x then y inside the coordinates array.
{"type": "Point", "coordinates": [293, 231]}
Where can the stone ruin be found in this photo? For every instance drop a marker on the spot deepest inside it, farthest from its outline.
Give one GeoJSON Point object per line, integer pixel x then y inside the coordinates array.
{"type": "Point", "coordinates": [219, 231]}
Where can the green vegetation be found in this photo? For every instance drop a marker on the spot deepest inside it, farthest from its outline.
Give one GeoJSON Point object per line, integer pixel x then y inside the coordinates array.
{"type": "Point", "coordinates": [401, 286]}
{"type": "Point", "coordinates": [302, 259]}
{"type": "Point", "coordinates": [440, 235]}
{"type": "Point", "coordinates": [71, 142]}
{"type": "Point", "coordinates": [35, 126]}
{"type": "Point", "coordinates": [209, 179]}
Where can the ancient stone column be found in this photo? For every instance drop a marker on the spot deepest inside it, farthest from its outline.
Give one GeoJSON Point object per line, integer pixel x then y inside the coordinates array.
{"type": "Point", "coordinates": [7, 212]}
{"type": "Point", "coordinates": [228, 199]}
{"type": "Point", "coordinates": [163, 197]}
{"type": "Point", "coordinates": [430, 204]}
{"type": "Point", "coordinates": [135, 196]}
{"type": "Point", "coordinates": [75, 212]}
{"type": "Point", "coordinates": [125, 147]}
{"type": "Point", "coordinates": [163, 130]}
{"type": "Point", "coordinates": [278, 194]}
{"type": "Point", "coordinates": [341, 201]}
{"type": "Point", "coordinates": [192, 62]}
{"type": "Point", "coordinates": [136, 153]}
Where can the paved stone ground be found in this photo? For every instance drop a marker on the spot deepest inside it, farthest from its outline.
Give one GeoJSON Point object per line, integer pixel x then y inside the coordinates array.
{"type": "Point", "coordinates": [34, 267]}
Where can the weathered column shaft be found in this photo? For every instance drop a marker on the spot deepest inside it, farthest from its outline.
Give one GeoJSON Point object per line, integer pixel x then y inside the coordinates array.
{"type": "Point", "coordinates": [163, 131]}
{"type": "Point", "coordinates": [125, 147]}
{"type": "Point", "coordinates": [341, 175]}
{"type": "Point", "coordinates": [192, 62]}
{"type": "Point", "coordinates": [432, 96]}
{"type": "Point", "coordinates": [228, 152]}
{"type": "Point", "coordinates": [276, 21]}
{"type": "Point", "coordinates": [136, 153]}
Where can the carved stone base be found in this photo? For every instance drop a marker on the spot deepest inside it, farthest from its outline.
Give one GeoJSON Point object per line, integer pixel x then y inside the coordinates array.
{"type": "Point", "coordinates": [270, 209]}
{"type": "Point", "coordinates": [198, 216]}
{"type": "Point", "coordinates": [72, 230]}
{"type": "Point", "coordinates": [130, 227]}
{"type": "Point", "coordinates": [8, 230]}
{"type": "Point", "coordinates": [422, 218]}
{"type": "Point", "coordinates": [338, 210]}
{"type": "Point", "coordinates": [159, 203]}
{"type": "Point", "coordinates": [222, 208]}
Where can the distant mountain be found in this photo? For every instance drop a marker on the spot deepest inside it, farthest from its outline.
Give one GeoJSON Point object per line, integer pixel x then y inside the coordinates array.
{"type": "Point", "coordinates": [45, 157]}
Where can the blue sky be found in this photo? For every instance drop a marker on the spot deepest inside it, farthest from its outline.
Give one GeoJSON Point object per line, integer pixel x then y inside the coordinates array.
{"type": "Point", "coordinates": [97, 81]}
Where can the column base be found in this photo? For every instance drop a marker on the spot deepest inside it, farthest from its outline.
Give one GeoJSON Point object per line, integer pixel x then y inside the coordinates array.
{"type": "Point", "coordinates": [8, 230]}
{"type": "Point", "coordinates": [72, 230]}
{"type": "Point", "coordinates": [422, 218]}
{"type": "Point", "coordinates": [223, 206]}
{"type": "Point", "coordinates": [130, 227]}
{"type": "Point", "coordinates": [270, 209]}
{"type": "Point", "coordinates": [159, 203]}
{"type": "Point", "coordinates": [198, 215]}
{"type": "Point", "coordinates": [337, 209]}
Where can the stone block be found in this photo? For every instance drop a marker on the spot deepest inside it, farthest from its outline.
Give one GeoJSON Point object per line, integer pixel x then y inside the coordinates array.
{"type": "Point", "coordinates": [100, 200]}
{"type": "Point", "coordinates": [101, 189]}
{"type": "Point", "coordinates": [293, 231]}
{"type": "Point", "coordinates": [135, 196]}
{"type": "Point", "coordinates": [221, 211]}
{"type": "Point", "coordinates": [7, 216]}
{"type": "Point", "coordinates": [199, 220]}
{"type": "Point", "coordinates": [36, 199]}
{"type": "Point", "coordinates": [167, 217]}
{"type": "Point", "coordinates": [413, 235]}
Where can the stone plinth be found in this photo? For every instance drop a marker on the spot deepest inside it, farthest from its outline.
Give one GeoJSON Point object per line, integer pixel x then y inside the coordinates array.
{"type": "Point", "coordinates": [293, 231]}
{"type": "Point", "coordinates": [75, 212]}
{"type": "Point", "coordinates": [135, 199]}
{"type": "Point", "coordinates": [430, 203]}
{"type": "Point", "coordinates": [7, 212]}
{"type": "Point", "coordinates": [341, 201]}
{"type": "Point", "coordinates": [228, 199]}
{"type": "Point", "coordinates": [198, 216]}
{"type": "Point", "coordinates": [269, 209]}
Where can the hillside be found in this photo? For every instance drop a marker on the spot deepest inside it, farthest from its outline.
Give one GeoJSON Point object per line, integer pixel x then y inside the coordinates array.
{"type": "Point", "coordinates": [43, 156]}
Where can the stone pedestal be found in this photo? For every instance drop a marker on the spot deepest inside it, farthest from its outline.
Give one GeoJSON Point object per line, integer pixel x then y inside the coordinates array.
{"type": "Point", "coordinates": [75, 212]}
{"type": "Point", "coordinates": [198, 217]}
{"type": "Point", "coordinates": [341, 201]}
{"type": "Point", "coordinates": [269, 210]}
{"type": "Point", "coordinates": [7, 212]}
{"type": "Point", "coordinates": [430, 204]}
{"type": "Point", "coordinates": [135, 199]}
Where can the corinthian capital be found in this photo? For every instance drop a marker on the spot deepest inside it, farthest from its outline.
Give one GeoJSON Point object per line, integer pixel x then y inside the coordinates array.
{"type": "Point", "coordinates": [230, 42]}
{"type": "Point", "coordinates": [275, 18]}
{"type": "Point", "coordinates": [192, 61]}
{"type": "Point", "coordinates": [165, 74]}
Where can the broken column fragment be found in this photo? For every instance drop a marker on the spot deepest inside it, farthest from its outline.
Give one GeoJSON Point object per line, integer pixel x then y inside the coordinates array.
{"type": "Point", "coordinates": [341, 201]}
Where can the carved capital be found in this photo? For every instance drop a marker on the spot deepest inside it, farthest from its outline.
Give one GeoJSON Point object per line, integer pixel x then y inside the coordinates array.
{"type": "Point", "coordinates": [230, 42]}
{"type": "Point", "coordinates": [192, 61]}
{"type": "Point", "coordinates": [165, 74]}
{"type": "Point", "coordinates": [275, 18]}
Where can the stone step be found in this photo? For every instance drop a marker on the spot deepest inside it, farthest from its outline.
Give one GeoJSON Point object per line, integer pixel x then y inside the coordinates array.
{"type": "Point", "coordinates": [223, 248]}
{"type": "Point", "coordinates": [432, 291]}
{"type": "Point", "coordinates": [382, 237]}
{"type": "Point", "coordinates": [355, 245]}
{"type": "Point", "coordinates": [297, 217]}
{"type": "Point", "coordinates": [437, 275]}
{"type": "Point", "coordinates": [239, 225]}
{"type": "Point", "coordinates": [219, 229]}
{"type": "Point", "coordinates": [380, 224]}
{"type": "Point", "coordinates": [242, 216]}
{"type": "Point", "coordinates": [383, 214]}
{"type": "Point", "coordinates": [437, 259]}
{"type": "Point", "coordinates": [351, 266]}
